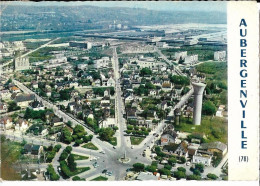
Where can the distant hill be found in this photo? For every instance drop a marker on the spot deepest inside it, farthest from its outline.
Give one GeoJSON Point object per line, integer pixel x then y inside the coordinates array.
{"type": "Point", "coordinates": [89, 17]}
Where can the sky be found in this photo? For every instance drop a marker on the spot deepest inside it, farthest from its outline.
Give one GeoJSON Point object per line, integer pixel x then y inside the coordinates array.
{"type": "Point", "coordinates": [152, 5]}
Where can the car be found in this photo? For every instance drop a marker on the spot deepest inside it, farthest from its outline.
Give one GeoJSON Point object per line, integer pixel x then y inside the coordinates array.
{"type": "Point", "coordinates": [132, 147]}
{"type": "Point", "coordinates": [154, 134]}
{"type": "Point", "coordinates": [114, 147]}
{"type": "Point", "coordinates": [188, 163]}
{"type": "Point", "coordinates": [109, 173]}
{"type": "Point", "coordinates": [59, 169]}
{"type": "Point", "coordinates": [157, 135]}
{"type": "Point", "coordinates": [102, 152]}
{"type": "Point", "coordinates": [104, 171]}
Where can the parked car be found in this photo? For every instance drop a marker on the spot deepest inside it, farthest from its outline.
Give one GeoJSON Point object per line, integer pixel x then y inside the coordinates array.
{"type": "Point", "coordinates": [104, 171]}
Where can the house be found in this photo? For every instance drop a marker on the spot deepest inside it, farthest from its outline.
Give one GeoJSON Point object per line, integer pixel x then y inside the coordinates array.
{"type": "Point", "coordinates": [111, 82]}
{"type": "Point", "coordinates": [15, 89]}
{"type": "Point", "coordinates": [36, 105]}
{"type": "Point", "coordinates": [108, 122]}
{"type": "Point", "coordinates": [89, 94]}
{"type": "Point", "coordinates": [220, 111]}
{"type": "Point", "coordinates": [212, 147]}
{"type": "Point", "coordinates": [56, 121]}
{"type": "Point", "coordinates": [152, 92]}
{"type": "Point", "coordinates": [182, 149]}
{"type": "Point", "coordinates": [35, 84]}
{"type": "Point", "coordinates": [24, 100]}
{"type": "Point", "coordinates": [32, 149]}
{"type": "Point", "coordinates": [21, 125]}
{"type": "Point", "coordinates": [168, 136]}
{"type": "Point", "coordinates": [131, 113]}
{"type": "Point", "coordinates": [129, 98]}
{"type": "Point", "coordinates": [5, 94]}
{"type": "Point", "coordinates": [97, 83]}
{"type": "Point", "coordinates": [3, 107]}
{"type": "Point", "coordinates": [203, 157]}
{"type": "Point", "coordinates": [163, 105]}
{"type": "Point", "coordinates": [6, 123]}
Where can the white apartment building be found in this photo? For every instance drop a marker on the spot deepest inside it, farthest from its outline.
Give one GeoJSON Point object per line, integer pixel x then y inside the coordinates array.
{"type": "Point", "coordinates": [220, 56]}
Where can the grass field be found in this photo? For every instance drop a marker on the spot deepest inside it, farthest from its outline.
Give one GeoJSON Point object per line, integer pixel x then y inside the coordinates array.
{"type": "Point", "coordinates": [113, 141]}
{"type": "Point", "coordinates": [80, 170]}
{"type": "Point", "coordinates": [136, 140]}
{"type": "Point", "coordinates": [90, 146]}
{"type": "Point", "coordinates": [100, 178]}
{"type": "Point", "coordinates": [213, 128]}
{"type": "Point", "coordinates": [79, 157]}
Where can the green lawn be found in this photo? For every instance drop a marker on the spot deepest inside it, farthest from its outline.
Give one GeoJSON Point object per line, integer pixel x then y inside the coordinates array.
{"type": "Point", "coordinates": [79, 157]}
{"type": "Point", "coordinates": [100, 178]}
{"type": "Point", "coordinates": [136, 140]}
{"type": "Point", "coordinates": [79, 170]}
{"type": "Point", "coordinates": [90, 146]}
{"type": "Point", "coordinates": [113, 141]}
{"type": "Point", "coordinates": [214, 128]}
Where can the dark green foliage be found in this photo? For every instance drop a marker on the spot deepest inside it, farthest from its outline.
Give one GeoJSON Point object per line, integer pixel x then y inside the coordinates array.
{"type": "Point", "coordinates": [193, 177]}
{"type": "Point", "coordinates": [51, 172]}
{"type": "Point", "coordinates": [71, 163]}
{"type": "Point", "coordinates": [165, 171]}
{"type": "Point", "coordinates": [169, 167]}
{"type": "Point", "coordinates": [138, 167]}
{"type": "Point", "coordinates": [66, 136]}
{"type": "Point", "coordinates": [63, 156]}
{"type": "Point", "coordinates": [179, 174]}
{"type": "Point", "coordinates": [179, 80]}
{"type": "Point", "coordinates": [145, 71]}
{"type": "Point", "coordinates": [12, 106]}
{"type": "Point", "coordinates": [212, 176]}
{"type": "Point", "coordinates": [106, 134]}
{"type": "Point", "coordinates": [181, 169]}
{"type": "Point", "coordinates": [208, 108]}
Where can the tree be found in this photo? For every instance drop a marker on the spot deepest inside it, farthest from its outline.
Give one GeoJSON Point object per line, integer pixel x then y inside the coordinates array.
{"type": "Point", "coordinates": [138, 167]}
{"type": "Point", "coordinates": [193, 177]}
{"type": "Point", "coordinates": [208, 108]}
{"type": "Point", "coordinates": [130, 127]}
{"type": "Point", "coordinates": [145, 71]}
{"type": "Point", "coordinates": [68, 149]}
{"type": "Point", "coordinates": [51, 172]}
{"type": "Point", "coordinates": [57, 147]}
{"type": "Point", "coordinates": [115, 128]}
{"type": "Point", "coordinates": [179, 174]}
{"type": "Point", "coordinates": [63, 156]}
{"type": "Point", "coordinates": [181, 169]}
{"type": "Point", "coordinates": [183, 159]}
{"type": "Point", "coordinates": [172, 161]}
{"type": "Point", "coordinates": [212, 176]}
{"type": "Point", "coordinates": [165, 171]}
{"type": "Point", "coordinates": [200, 167]}
{"type": "Point", "coordinates": [77, 178]}
{"type": "Point", "coordinates": [106, 133]}
{"type": "Point", "coordinates": [78, 142]}
{"type": "Point", "coordinates": [71, 163]}
{"type": "Point", "coordinates": [12, 106]}
{"type": "Point", "coordinates": [150, 168]}
{"type": "Point", "coordinates": [168, 167]}
{"type": "Point", "coordinates": [66, 136]}
{"type": "Point", "coordinates": [196, 172]}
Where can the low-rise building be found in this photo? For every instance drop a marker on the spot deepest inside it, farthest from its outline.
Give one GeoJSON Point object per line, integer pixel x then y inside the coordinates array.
{"type": "Point", "coordinates": [6, 123]}
{"type": "Point", "coordinates": [24, 100]}
{"type": "Point", "coordinates": [203, 157]}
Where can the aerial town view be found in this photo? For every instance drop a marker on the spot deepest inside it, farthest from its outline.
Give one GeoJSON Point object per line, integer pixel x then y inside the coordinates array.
{"type": "Point", "coordinates": [104, 93]}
